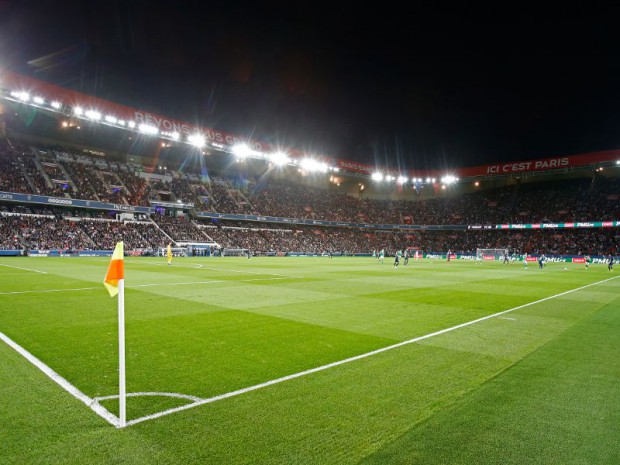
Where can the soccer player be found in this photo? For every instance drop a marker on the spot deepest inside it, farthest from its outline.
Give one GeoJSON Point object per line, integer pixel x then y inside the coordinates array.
{"type": "Point", "coordinates": [610, 263]}
{"type": "Point", "coordinates": [396, 259]}
{"type": "Point", "coordinates": [541, 261]}
{"type": "Point", "coordinates": [588, 261]}
{"type": "Point", "coordinates": [525, 260]}
{"type": "Point", "coordinates": [505, 257]}
{"type": "Point", "coordinates": [381, 255]}
{"type": "Point", "coordinates": [406, 257]}
{"type": "Point", "coordinates": [448, 256]}
{"type": "Point", "coordinates": [169, 253]}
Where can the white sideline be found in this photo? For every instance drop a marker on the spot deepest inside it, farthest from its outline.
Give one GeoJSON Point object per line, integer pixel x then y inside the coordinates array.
{"type": "Point", "coordinates": [25, 269]}
{"type": "Point", "coordinates": [351, 359]}
{"type": "Point", "coordinates": [94, 405]}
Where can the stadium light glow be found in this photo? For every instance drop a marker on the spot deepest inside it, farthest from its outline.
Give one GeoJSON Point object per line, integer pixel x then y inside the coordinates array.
{"type": "Point", "coordinates": [38, 100]}
{"type": "Point", "coordinates": [147, 129]}
{"type": "Point", "coordinates": [111, 119]}
{"type": "Point", "coordinates": [56, 105]}
{"type": "Point", "coordinates": [197, 140]}
{"type": "Point", "coordinates": [94, 115]}
{"type": "Point", "coordinates": [389, 177]}
{"type": "Point", "coordinates": [78, 111]}
{"type": "Point", "coordinates": [175, 135]}
{"type": "Point", "coordinates": [279, 158]}
{"type": "Point", "coordinates": [377, 176]}
{"type": "Point", "coordinates": [241, 151]}
{"type": "Point", "coordinates": [23, 96]}
{"type": "Point", "coordinates": [402, 179]}
{"type": "Point", "coordinates": [449, 179]}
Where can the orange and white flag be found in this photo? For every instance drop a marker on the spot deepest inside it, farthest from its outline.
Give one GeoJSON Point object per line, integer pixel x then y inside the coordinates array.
{"type": "Point", "coordinates": [116, 270]}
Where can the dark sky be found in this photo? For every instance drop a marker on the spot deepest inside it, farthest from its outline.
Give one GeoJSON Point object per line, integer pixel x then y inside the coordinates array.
{"type": "Point", "coordinates": [410, 86]}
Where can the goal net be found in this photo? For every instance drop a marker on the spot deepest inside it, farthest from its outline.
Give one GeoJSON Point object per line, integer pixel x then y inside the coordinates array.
{"type": "Point", "coordinates": [491, 254]}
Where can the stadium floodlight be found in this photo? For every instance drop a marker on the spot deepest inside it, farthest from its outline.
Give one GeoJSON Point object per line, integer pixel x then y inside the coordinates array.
{"type": "Point", "coordinates": [242, 151]}
{"type": "Point", "coordinates": [77, 111]}
{"type": "Point", "coordinates": [38, 100]}
{"type": "Point", "coordinates": [389, 177]}
{"type": "Point", "coordinates": [131, 124]}
{"type": "Point", "coordinates": [617, 162]}
{"type": "Point", "coordinates": [120, 122]}
{"type": "Point", "coordinates": [23, 96]}
{"type": "Point", "coordinates": [449, 179]}
{"type": "Point", "coordinates": [111, 119]}
{"type": "Point", "coordinates": [175, 135]}
{"type": "Point", "coordinates": [197, 140]}
{"type": "Point", "coordinates": [94, 115]}
{"type": "Point", "coordinates": [148, 129]}
{"type": "Point", "coordinates": [402, 179]}
{"type": "Point", "coordinates": [428, 180]}
{"type": "Point", "coordinates": [279, 158]}
{"type": "Point", "coordinates": [377, 176]}
{"type": "Point", "coordinates": [56, 105]}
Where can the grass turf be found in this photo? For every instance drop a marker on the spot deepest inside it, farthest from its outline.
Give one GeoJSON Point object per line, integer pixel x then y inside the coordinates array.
{"type": "Point", "coordinates": [495, 391]}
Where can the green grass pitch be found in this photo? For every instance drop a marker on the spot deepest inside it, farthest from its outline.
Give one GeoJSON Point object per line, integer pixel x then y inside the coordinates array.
{"type": "Point", "coordinates": [536, 385]}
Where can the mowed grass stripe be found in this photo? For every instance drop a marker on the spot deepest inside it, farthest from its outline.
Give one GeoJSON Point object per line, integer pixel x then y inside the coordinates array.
{"type": "Point", "coordinates": [558, 405]}
{"type": "Point", "coordinates": [336, 416]}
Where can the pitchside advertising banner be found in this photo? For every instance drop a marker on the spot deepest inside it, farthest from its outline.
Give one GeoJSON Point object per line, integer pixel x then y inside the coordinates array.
{"type": "Point", "coordinates": [13, 82]}
{"type": "Point", "coordinates": [66, 202]}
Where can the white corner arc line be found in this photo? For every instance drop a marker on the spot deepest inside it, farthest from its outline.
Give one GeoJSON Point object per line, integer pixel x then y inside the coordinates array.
{"type": "Point", "coordinates": [352, 359]}
{"type": "Point", "coordinates": [62, 382]}
{"type": "Point", "coordinates": [25, 269]}
{"type": "Point", "coordinates": [152, 394]}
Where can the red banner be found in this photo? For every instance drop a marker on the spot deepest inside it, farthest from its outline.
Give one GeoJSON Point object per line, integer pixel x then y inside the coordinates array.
{"type": "Point", "coordinates": [579, 260]}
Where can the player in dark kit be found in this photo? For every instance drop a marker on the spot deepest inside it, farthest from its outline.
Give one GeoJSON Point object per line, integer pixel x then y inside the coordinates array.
{"type": "Point", "coordinates": [541, 261]}
{"type": "Point", "coordinates": [610, 263]}
{"type": "Point", "coordinates": [396, 259]}
{"type": "Point", "coordinates": [406, 257]}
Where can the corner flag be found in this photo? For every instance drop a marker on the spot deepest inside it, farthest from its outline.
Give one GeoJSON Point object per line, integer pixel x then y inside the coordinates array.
{"type": "Point", "coordinates": [116, 270]}
{"type": "Point", "coordinates": [115, 284]}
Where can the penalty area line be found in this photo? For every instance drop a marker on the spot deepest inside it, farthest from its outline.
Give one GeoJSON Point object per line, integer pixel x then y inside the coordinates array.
{"type": "Point", "coordinates": [353, 359]}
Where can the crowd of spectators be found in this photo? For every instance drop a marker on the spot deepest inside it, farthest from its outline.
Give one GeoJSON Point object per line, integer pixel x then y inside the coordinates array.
{"type": "Point", "coordinates": [563, 200]}
{"type": "Point", "coordinates": [57, 172]}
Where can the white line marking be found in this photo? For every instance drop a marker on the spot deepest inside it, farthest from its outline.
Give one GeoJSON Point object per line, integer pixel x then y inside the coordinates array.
{"type": "Point", "coordinates": [507, 318]}
{"type": "Point", "coordinates": [113, 420]}
{"type": "Point", "coordinates": [142, 285]}
{"type": "Point", "coordinates": [216, 269]}
{"type": "Point", "coordinates": [25, 269]}
{"type": "Point", "coordinates": [151, 394]}
{"type": "Point", "coordinates": [351, 359]}
{"type": "Point", "coordinates": [62, 382]}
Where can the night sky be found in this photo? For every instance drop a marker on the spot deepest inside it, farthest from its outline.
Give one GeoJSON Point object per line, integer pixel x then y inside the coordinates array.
{"type": "Point", "coordinates": [415, 87]}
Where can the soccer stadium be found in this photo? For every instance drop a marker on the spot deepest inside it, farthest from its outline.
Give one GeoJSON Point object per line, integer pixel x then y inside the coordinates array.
{"type": "Point", "coordinates": [279, 306]}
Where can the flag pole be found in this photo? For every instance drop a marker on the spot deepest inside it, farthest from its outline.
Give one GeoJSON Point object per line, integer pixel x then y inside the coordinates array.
{"type": "Point", "coordinates": [121, 355]}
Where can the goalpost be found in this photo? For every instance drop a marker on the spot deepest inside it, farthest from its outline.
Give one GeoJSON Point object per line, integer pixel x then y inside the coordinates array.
{"type": "Point", "coordinates": [491, 254]}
